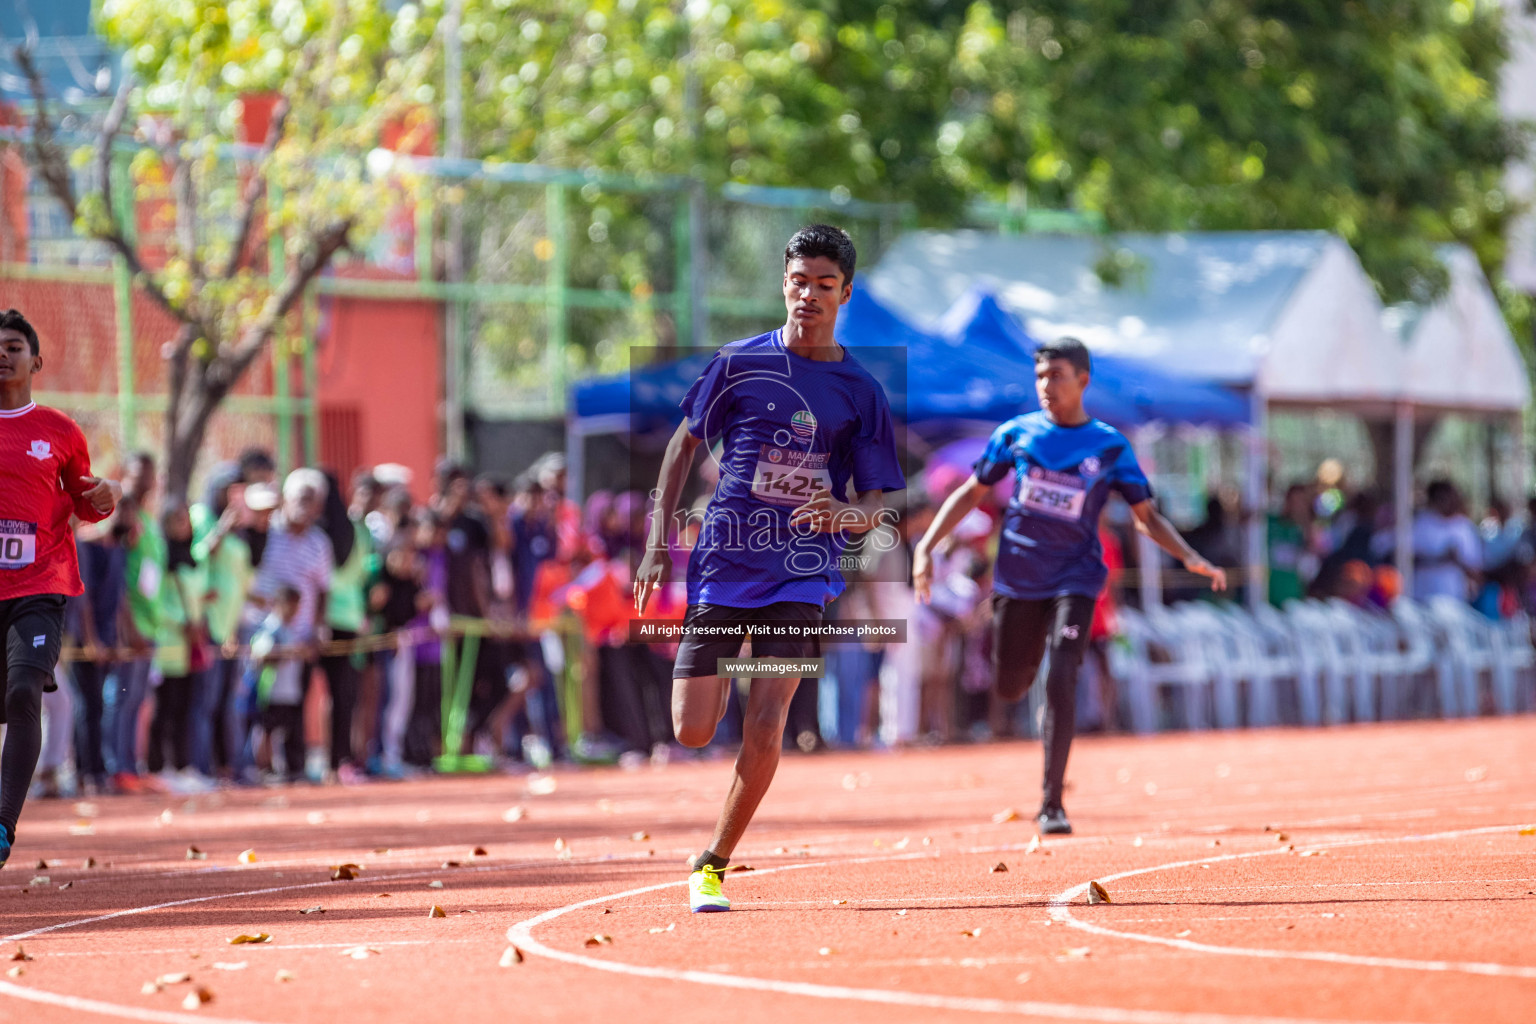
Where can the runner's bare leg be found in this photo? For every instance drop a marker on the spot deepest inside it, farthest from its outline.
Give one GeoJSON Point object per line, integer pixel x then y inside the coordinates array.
{"type": "Point", "coordinates": [762, 738]}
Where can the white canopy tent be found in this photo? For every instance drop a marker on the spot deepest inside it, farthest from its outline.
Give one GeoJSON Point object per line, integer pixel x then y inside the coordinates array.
{"type": "Point", "coordinates": [1290, 316]}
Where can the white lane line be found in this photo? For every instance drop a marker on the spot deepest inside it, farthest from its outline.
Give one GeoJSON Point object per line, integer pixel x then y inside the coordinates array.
{"type": "Point", "coordinates": [521, 935]}
{"type": "Point", "coordinates": [264, 945]}
{"type": "Point", "coordinates": [82, 1005]}
{"type": "Point", "coordinates": [1061, 912]}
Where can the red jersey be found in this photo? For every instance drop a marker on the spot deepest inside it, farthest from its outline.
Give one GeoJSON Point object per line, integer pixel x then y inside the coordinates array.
{"type": "Point", "coordinates": [42, 460]}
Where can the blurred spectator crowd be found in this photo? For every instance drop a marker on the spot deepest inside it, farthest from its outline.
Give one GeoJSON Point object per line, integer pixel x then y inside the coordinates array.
{"type": "Point", "coordinates": [295, 629]}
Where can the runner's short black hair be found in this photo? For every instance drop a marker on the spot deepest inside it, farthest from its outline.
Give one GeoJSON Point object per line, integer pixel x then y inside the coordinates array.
{"type": "Point", "coordinates": [823, 240]}
{"type": "Point", "coordinates": [1070, 349]}
{"type": "Point", "coordinates": [12, 320]}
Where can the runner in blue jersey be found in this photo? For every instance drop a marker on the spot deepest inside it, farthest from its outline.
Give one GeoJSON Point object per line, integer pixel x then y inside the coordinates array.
{"type": "Point", "coordinates": [806, 452]}
{"type": "Point", "coordinates": [1050, 567]}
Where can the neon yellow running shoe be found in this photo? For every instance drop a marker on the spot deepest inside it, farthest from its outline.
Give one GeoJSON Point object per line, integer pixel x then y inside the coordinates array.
{"type": "Point", "coordinates": [704, 895]}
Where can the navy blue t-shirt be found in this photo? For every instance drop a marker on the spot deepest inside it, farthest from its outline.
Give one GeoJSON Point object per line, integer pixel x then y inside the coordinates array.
{"type": "Point", "coordinates": [1063, 477]}
{"type": "Point", "coordinates": [785, 426]}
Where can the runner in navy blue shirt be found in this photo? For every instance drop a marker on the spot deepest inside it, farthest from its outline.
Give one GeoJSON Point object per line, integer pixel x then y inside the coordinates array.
{"type": "Point", "coordinates": [806, 449]}
{"type": "Point", "coordinates": [1050, 567]}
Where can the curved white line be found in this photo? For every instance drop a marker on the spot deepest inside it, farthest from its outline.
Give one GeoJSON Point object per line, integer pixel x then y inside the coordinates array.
{"type": "Point", "coordinates": [521, 935]}
{"type": "Point", "coordinates": [80, 1005]}
{"type": "Point", "coordinates": [1060, 912]}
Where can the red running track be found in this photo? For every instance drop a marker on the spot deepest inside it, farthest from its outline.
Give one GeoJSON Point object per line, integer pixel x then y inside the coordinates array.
{"type": "Point", "coordinates": [1410, 894]}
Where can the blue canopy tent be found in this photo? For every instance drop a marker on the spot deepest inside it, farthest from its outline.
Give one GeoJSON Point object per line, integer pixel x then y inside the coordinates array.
{"type": "Point", "coordinates": [1125, 391]}
{"type": "Point", "coordinates": [926, 378]}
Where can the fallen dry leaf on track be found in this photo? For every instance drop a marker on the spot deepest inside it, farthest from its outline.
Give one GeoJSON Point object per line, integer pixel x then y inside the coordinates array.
{"type": "Point", "coordinates": [1098, 894]}
{"type": "Point", "coordinates": [193, 853]}
{"type": "Point", "coordinates": [22, 954]}
{"type": "Point", "coordinates": [1529, 830]}
{"type": "Point", "coordinates": [1073, 953]}
{"type": "Point", "coordinates": [382, 851]}
{"type": "Point", "coordinates": [220, 965]}
{"type": "Point", "coordinates": [436, 911]}
{"type": "Point", "coordinates": [450, 863]}
{"type": "Point", "coordinates": [478, 851]}
{"type": "Point", "coordinates": [640, 837]}
{"type": "Point", "coordinates": [149, 988]}
{"type": "Point", "coordinates": [82, 828]}
{"type": "Point", "coordinates": [90, 862]}
{"type": "Point", "coordinates": [1035, 845]}
{"type": "Point", "coordinates": [599, 940]}
{"type": "Point", "coordinates": [1281, 837]}
{"type": "Point", "coordinates": [901, 913]}
{"type": "Point", "coordinates": [316, 909]}
{"type": "Point", "coordinates": [250, 940]}
{"type": "Point", "coordinates": [283, 975]}
{"type": "Point", "coordinates": [40, 880]}
{"type": "Point", "coordinates": [560, 844]}
{"type": "Point", "coordinates": [903, 843]}
{"type": "Point", "coordinates": [174, 978]}
{"type": "Point", "coordinates": [514, 814]}
{"type": "Point", "coordinates": [1182, 935]}
{"type": "Point", "coordinates": [196, 998]}
{"type": "Point", "coordinates": [65, 885]}
{"type": "Point", "coordinates": [16, 972]}
{"type": "Point", "coordinates": [999, 868]}
{"type": "Point", "coordinates": [436, 883]}
{"type": "Point", "coordinates": [974, 933]}
{"type": "Point", "coordinates": [509, 956]}
{"type": "Point", "coordinates": [838, 903]}
{"type": "Point", "coordinates": [826, 951]}
{"type": "Point", "coordinates": [247, 857]}
{"type": "Point", "coordinates": [1314, 853]}
{"type": "Point", "coordinates": [658, 930]}
{"type": "Point", "coordinates": [1215, 842]}
{"type": "Point", "coordinates": [42, 865]}
{"type": "Point", "coordinates": [344, 872]}
{"type": "Point", "coordinates": [542, 785]}
{"type": "Point", "coordinates": [360, 952]}
{"type": "Point", "coordinates": [1006, 814]}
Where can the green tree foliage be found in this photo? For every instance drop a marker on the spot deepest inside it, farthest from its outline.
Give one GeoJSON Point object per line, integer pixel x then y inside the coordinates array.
{"type": "Point", "coordinates": [1375, 119]}
{"type": "Point", "coordinates": [240, 238]}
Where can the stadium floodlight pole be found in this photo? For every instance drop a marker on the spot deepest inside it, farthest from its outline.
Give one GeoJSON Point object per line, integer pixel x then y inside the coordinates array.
{"type": "Point", "coordinates": [453, 266]}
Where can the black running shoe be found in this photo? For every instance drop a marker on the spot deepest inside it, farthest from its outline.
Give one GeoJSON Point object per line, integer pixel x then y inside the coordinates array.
{"type": "Point", "coordinates": [1052, 821]}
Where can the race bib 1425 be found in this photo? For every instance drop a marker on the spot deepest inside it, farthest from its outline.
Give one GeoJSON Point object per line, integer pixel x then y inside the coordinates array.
{"type": "Point", "coordinates": [787, 477]}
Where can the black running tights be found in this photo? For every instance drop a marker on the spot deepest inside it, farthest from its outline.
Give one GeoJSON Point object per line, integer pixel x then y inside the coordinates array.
{"type": "Point", "coordinates": [23, 739]}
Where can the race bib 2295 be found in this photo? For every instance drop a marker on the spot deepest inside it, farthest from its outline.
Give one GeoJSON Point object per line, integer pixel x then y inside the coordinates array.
{"type": "Point", "coordinates": [1053, 494]}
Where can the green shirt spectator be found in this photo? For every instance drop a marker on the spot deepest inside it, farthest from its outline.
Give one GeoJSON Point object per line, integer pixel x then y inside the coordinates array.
{"type": "Point", "coordinates": [145, 575]}
{"type": "Point", "coordinates": [348, 605]}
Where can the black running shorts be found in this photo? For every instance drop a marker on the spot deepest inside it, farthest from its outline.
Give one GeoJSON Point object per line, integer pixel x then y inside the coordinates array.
{"type": "Point", "coordinates": [699, 656]}
{"type": "Point", "coordinates": [1024, 629]}
{"type": "Point", "coordinates": [33, 629]}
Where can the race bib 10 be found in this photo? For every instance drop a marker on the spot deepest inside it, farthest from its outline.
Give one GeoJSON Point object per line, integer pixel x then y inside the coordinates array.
{"type": "Point", "coordinates": [787, 477]}
{"type": "Point", "coordinates": [1053, 494]}
{"type": "Point", "coordinates": [18, 544]}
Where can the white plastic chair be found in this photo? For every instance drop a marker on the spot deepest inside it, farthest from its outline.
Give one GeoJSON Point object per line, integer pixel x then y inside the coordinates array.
{"type": "Point", "coordinates": [1225, 663]}
{"type": "Point", "coordinates": [1141, 674]}
{"type": "Point", "coordinates": [1268, 658]}
{"type": "Point", "coordinates": [1475, 646]}
{"type": "Point", "coordinates": [1428, 646]}
{"type": "Point", "coordinates": [1336, 658]}
{"type": "Point", "coordinates": [1305, 660]}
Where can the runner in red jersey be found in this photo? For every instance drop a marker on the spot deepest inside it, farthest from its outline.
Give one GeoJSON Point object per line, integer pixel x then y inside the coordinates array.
{"type": "Point", "coordinates": [45, 478]}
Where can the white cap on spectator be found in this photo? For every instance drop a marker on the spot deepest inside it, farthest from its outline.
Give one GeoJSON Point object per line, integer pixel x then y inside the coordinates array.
{"type": "Point", "coordinates": [304, 479]}
{"type": "Point", "coordinates": [261, 497]}
{"type": "Point", "coordinates": [392, 474]}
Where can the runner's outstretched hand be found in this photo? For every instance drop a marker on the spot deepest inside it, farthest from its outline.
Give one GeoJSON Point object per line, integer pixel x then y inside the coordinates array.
{"type": "Point", "coordinates": [102, 494]}
{"type": "Point", "coordinates": [655, 569]}
{"type": "Point", "coordinates": [922, 574]}
{"type": "Point", "coordinates": [1201, 567]}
